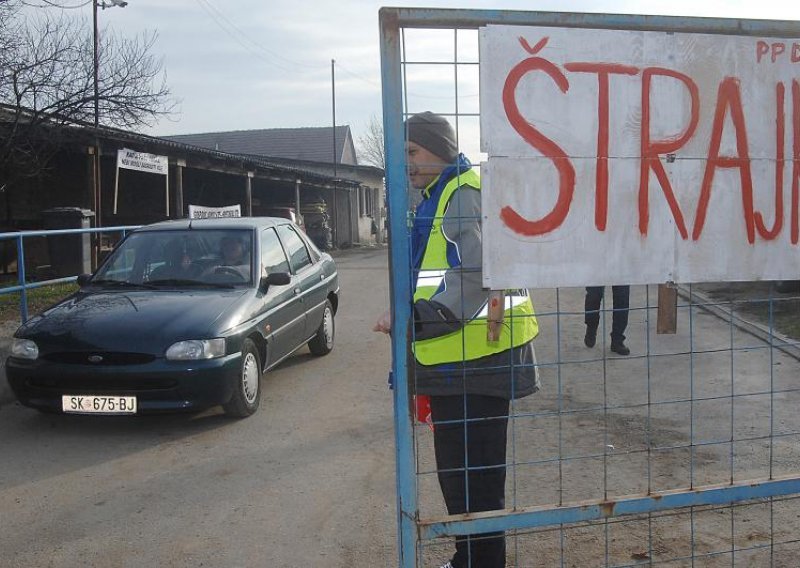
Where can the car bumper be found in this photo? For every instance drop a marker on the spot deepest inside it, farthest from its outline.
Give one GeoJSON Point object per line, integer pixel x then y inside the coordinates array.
{"type": "Point", "coordinates": [158, 386]}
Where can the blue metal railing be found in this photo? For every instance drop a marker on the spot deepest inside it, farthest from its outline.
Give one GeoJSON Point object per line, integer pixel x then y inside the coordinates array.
{"type": "Point", "coordinates": [22, 285]}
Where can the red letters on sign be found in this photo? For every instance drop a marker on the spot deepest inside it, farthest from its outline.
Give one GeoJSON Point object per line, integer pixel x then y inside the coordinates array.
{"type": "Point", "coordinates": [776, 49]}
{"type": "Point", "coordinates": [603, 70]}
{"type": "Point", "coordinates": [780, 113]}
{"type": "Point", "coordinates": [651, 151]}
{"type": "Point", "coordinates": [728, 112]}
{"type": "Point", "coordinates": [536, 139]}
{"type": "Point", "coordinates": [728, 97]}
{"type": "Point", "coordinates": [795, 214]}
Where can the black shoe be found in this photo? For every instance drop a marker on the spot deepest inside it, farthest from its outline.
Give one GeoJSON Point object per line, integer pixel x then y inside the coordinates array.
{"type": "Point", "coordinates": [620, 348]}
{"type": "Point", "coordinates": [591, 337]}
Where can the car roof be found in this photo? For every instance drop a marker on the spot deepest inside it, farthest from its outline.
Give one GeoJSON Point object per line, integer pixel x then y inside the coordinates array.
{"type": "Point", "coordinates": [226, 223]}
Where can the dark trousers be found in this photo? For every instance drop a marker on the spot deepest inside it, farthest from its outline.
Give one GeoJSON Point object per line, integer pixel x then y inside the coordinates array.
{"type": "Point", "coordinates": [479, 484]}
{"type": "Point", "coordinates": [619, 318]}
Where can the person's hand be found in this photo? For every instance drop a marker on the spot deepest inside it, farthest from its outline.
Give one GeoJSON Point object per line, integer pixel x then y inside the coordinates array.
{"type": "Point", "coordinates": [384, 323]}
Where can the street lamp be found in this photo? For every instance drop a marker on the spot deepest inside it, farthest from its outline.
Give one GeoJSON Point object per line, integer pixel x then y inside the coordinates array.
{"type": "Point", "coordinates": [102, 4]}
{"type": "Point", "coordinates": [97, 192]}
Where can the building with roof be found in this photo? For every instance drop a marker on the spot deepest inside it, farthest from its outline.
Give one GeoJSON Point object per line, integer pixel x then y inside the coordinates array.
{"type": "Point", "coordinates": [84, 172]}
{"type": "Point", "coordinates": [323, 144]}
{"type": "Point", "coordinates": [326, 150]}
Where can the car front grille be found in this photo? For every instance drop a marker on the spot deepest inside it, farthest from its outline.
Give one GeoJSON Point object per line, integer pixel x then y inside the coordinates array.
{"type": "Point", "coordinates": [99, 358]}
{"type": "Point", "coordinates": [100, 384]}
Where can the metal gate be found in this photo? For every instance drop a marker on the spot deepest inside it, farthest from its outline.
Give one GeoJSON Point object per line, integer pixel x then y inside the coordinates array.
{"type": "Point", "coordinates": [684, 453]}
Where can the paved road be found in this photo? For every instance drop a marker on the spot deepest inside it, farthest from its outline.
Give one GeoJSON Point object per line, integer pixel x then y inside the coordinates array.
{"type": "Point", "coordinates": [308, 481]}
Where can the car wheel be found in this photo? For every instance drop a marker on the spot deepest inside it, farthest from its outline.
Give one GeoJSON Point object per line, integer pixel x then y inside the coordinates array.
{"type": "Point", "coordinates": [247, 393]}
{"type": "Point", "coordinates": [322, 342]}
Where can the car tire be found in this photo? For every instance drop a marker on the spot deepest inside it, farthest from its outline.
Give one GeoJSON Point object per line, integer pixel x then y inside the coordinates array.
{"type": "Point", "coordinates": [247, 392]}
{"type": "Point", "coordinates": [322, 343]}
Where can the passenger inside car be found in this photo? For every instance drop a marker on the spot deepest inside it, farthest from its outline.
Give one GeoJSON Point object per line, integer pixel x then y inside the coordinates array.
{"type": "Point", "coordinates": [178, 262]}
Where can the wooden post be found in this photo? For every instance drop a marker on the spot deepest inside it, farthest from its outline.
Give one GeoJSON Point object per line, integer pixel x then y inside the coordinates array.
{"type": "Point", "coordinates": [496, 308]}
{"type": "Point", "coordinates": [297, 198]}
{"type": "Point", "coordinates": [179, 165]}
{"type": "Point", "coordinates": [667, 320]}
{"type": "Point", "coordinates": [91, 198]}
{"type": "Point", "coordinates": [249, 194]}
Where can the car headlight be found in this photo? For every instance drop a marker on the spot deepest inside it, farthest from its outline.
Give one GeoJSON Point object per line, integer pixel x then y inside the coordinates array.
{"type": "Point", "coordinates": [193, 349]}
{"type": "Point", "coordinates": [24, 349]}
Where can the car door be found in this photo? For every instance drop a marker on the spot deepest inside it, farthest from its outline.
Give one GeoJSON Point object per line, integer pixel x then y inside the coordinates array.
{"type": "Point", "coordinates": [309, 279]}
{"type": "Point", "coordinates": [283, 316]}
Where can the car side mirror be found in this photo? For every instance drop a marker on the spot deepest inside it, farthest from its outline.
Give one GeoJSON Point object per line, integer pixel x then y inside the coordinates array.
{"type": "Point", "coordinates": [275, 279]}
{"type": "Point", "coordinates": [83, 279]}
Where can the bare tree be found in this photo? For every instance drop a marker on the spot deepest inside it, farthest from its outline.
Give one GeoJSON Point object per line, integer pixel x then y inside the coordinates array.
{"type": "Point", "coordinates": [47, 79]}
{"type": "Point", "coordinates": [370, 144]}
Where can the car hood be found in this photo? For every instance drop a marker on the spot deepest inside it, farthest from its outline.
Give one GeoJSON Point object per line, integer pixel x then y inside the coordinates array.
{"type": "Point", "coordinates": [134, 321]}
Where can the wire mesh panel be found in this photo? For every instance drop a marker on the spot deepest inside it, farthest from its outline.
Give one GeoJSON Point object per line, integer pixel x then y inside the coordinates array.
{"type": "Point", "coordinates": [683, 452]}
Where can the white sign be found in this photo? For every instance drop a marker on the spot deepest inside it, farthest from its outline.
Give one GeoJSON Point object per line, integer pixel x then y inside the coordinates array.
{"type": "Point", "coordinates": [143, 162]}
{"type": "Point", "coordinates": [200, 212]}
{"type": "Point", "coordinates": [630, 157]}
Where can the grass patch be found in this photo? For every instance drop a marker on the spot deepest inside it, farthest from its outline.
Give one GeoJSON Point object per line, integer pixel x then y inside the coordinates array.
{"type": "Point", "coordinates": [38, 299]}
{"type": "Point", "coordinates": [754, 300]}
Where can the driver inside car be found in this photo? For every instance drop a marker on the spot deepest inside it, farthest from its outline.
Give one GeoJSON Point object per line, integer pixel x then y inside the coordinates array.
{"type": "Point", "coordinates": [232, 250]}
{"type": "Point", "coordinates": [234, 259]}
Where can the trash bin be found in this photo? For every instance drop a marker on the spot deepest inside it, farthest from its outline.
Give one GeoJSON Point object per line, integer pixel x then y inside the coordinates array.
{"type": "Point", "coordinates": [70, 255]}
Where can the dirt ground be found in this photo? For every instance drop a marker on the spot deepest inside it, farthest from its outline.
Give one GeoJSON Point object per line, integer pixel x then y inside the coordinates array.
{"type": "Point", "coordinates": [711, 404]}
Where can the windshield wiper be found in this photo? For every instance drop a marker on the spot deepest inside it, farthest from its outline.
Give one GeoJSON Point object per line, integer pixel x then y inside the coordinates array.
{"type": "Point", "coordinates": [119, 284]}
{"type": "Point", "coordinates": [176, 282]}
{"type": "Point", "coordinates": [162, 282]}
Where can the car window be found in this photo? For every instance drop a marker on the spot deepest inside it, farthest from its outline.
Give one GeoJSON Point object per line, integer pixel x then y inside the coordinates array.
{"type": "Point", "coordinates": [179, 258]}
{"type": "Point", "coordinates": [295, 247]}
{"type": "Point", "coordinates": [120, 266]}
{"type": "Point", "coordinates": [273, 257]}
{"type": "Point", "coordinates": [312, 248]}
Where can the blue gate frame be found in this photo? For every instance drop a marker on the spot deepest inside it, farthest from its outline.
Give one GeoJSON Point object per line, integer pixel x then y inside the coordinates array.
{"type": "Point", "coordinates": [411, 530]}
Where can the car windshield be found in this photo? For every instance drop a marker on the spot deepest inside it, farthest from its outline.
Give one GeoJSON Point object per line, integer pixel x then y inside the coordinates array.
{"type": "Point", "coordinates": [186, 258]}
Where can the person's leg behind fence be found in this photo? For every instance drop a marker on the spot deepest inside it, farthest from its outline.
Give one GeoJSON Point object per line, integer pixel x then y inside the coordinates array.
{"type": "Point", "coordinates": [619, 320]}
{"type": "Point", "coordinates": [478, 485]}
{"type": "Point", "coordinates": [594, 297]}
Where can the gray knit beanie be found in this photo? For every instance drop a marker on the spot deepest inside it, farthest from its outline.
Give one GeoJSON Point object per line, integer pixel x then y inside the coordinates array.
{"type": "Point", "coordinates": [434, 133]}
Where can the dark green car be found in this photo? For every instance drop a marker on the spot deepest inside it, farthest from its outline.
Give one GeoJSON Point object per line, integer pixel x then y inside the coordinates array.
{"type": "Point", "coordinates": [182, 315]}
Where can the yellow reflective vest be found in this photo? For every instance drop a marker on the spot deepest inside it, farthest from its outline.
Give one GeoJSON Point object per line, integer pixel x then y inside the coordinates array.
{"type": "Point", "coordinates": [470, 342]}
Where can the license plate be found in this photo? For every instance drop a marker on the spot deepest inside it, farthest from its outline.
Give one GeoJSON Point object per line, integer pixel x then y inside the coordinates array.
{"type": "Point", "coordinates": [98, 404]}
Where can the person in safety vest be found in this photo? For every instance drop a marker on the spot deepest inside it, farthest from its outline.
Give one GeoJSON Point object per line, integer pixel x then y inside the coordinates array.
{"type": "Point", "coordinates": [468, 379]}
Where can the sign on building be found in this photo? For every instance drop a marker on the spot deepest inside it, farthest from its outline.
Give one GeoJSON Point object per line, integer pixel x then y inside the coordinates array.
{"type": "Point", "coordinates": [201, 212]}
{"type": "Point", "coordinates": [633, 157]}
{"type": "Point", "coordinates": [143, 162]}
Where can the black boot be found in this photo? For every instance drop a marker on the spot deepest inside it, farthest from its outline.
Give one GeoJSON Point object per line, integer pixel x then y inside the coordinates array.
{"type": "Point", "coordinates": [591, 336]}
{"type": "Point", "coordinates": [617, 346]}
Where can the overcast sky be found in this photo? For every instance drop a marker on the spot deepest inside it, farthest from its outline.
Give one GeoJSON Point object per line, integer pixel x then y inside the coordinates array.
{"type": "Point", "coordinates": [245, 64]}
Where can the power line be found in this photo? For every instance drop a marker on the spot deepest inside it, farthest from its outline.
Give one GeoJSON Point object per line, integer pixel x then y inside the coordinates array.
{"type": "Point", "coordinates": [240, 37]}
{"type": "Point", "coordinates": [51, 4]}
{"type": "Point", "coordinates": [358, 76]}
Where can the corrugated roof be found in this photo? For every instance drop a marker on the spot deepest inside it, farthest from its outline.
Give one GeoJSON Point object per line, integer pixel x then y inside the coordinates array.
{"type": "Point", "coordinates": [313, 144]}
{"type": "Point", "coordinates": [147, 143]}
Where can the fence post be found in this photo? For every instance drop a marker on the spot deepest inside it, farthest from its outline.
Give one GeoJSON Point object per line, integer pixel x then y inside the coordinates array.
{"type": "Point", "coordinates": [23, 295]}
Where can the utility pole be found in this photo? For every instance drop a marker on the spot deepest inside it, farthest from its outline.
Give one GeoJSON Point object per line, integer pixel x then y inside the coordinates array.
{"type": "Point", "coordinates": [333, 106]}
{"type": "Point", "coordinates": [96, 66]}
{"type": "Point", "coordinates": [98, 199]}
